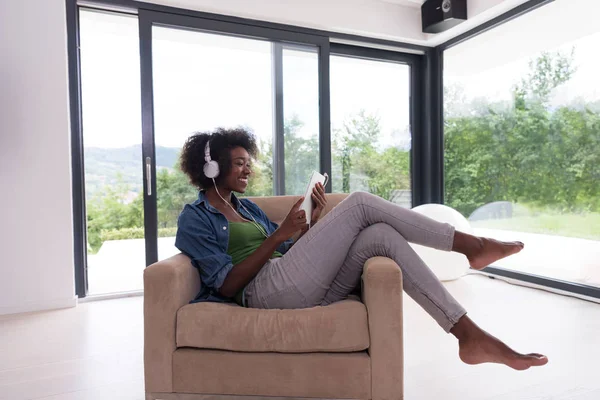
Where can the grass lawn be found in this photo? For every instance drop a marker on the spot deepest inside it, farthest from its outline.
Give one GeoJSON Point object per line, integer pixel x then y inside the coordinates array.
{"type": "Point", "coordinates": [585, 226]}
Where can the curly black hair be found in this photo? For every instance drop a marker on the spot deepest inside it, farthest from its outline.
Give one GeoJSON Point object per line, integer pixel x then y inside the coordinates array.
{"type": "Point", "coordinates": [222, 140]}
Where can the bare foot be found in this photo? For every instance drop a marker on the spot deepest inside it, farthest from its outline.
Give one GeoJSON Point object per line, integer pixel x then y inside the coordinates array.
{"type": "Point", "coordinates": [476, 346]}
{"type": "Point", "coordinates": [488, 349]}
{"type": "Point", "coordinates": [489, 250]}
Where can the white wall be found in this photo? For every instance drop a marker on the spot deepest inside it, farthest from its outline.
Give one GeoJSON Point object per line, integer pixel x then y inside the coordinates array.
{"type": "Point", "coordinates": [36, 240]}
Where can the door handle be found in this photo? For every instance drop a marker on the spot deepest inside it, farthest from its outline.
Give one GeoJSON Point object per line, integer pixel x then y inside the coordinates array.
{"type": "Point", "coordinates": [149, 176]}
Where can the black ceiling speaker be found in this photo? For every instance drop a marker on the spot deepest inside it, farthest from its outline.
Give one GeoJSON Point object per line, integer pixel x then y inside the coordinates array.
{"type": "Point", "coordinates": [441, 15]}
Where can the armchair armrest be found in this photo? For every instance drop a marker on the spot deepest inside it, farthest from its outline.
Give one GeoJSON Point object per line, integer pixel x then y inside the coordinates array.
{"type": "Point", "coordinates": [168, 285]}
{"type": "Point", "coordinates": [382, 295]}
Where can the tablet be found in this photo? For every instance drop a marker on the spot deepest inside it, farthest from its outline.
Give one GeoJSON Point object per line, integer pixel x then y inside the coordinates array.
{"type": "Point", "coordinates": [307, 204]}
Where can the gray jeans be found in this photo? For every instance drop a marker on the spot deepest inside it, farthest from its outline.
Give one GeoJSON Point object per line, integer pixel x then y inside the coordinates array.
{"type": "Point", "coordinates": [326, 264]}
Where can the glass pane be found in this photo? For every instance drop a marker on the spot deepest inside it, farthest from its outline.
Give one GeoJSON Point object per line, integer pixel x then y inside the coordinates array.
{"type": "Point", "coordinates": [301, 117]}
{"type": "Point", "coordinates": [203, 81]}
{"type": "Point", "coordinates": [370, 121]}
{"type": "Point", "coordinates": [110, 86]}
{"type": "Point", "coordinates": [522, 139]}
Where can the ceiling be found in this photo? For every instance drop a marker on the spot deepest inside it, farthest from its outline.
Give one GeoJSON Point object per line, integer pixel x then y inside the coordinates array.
{"type": "Point", "coordinates": [393, 20]}
{"type": "Point", "coordinates": [479, 12]}
{"type": "Point", "coordinates": [410, 3]}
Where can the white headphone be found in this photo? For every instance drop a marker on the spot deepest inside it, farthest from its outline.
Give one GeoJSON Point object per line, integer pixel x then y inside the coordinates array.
{"type": "Point", "coordinates": [211, 168]}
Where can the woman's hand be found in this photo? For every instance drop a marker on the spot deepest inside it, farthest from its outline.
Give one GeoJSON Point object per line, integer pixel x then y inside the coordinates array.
{"type": "Point", "coordinates": [294, 222]}
{"type": "Point", "coordinates": [319, 202]}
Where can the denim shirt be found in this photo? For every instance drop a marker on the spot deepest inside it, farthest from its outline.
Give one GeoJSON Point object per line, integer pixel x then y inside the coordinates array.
{"type": "Point", "coordinates": [203, 235]}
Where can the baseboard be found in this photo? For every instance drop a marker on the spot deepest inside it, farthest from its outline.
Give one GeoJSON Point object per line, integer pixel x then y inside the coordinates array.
{"type": "Point", "coordinates": [188, 396]}
{"type": "Point", "coordinates": [110, 296]}
{"type": "Point", "coordinates": [518, 282]}
{"type": "Point", "coordinates": [34, 306]}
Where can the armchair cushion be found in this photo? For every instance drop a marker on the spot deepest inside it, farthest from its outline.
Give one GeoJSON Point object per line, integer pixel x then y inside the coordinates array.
{"type": "Point", "coordinates": [340, 327]}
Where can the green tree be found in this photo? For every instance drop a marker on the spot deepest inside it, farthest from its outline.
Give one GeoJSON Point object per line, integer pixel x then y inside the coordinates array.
{"type": "Point", "coordinates": [261, 181]}
{"type": "Point", "coordinates": [546, 73]}
{"type": "Point", "coordinates": [354, 148]}
{"type": "Point", "coordinates": [362, 164]}
{"type": "Point", "coordinates": [301, 156]}
{"type": "Point", "coordinates": [108, 210]}
{"type": "Point", "coordinates": [529, 152]}
{"type": "Point", "coordinates": [173, 192]}
{"type": "Point", "coordinates": [389, 171]}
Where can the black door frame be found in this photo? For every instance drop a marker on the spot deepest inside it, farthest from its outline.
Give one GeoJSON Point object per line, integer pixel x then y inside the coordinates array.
{"type": "Point", "coordinates": [147, 20]}
{"type": "Point", "coordinates": [150, 15]}
{"type": "Point", "coordinates": [77, 162]}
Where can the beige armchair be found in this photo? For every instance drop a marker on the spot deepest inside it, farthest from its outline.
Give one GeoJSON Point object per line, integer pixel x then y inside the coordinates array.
{"type": "Point", "coordinates": [347, 350]}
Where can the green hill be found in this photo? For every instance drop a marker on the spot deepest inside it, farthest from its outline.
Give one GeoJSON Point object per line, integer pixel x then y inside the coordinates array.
{"type": "Point", "coordinates": [111, 166]}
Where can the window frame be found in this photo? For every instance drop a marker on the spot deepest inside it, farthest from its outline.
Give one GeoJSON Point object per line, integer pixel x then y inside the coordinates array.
{"type": "Point", "coordinates": [427, 150]}
{"type": "Point", "coordinates": [556, 285]}
{"type": "Point", "coordinates": [281, 35]}
{"type": "Point", "coordinates": [418, 181]}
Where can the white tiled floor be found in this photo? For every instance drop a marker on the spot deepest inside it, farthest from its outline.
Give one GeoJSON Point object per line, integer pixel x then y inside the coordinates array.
{"type": "Point", "coordinates": [94, 351]}
{"type": "Point", "coordinates": [119, 265]}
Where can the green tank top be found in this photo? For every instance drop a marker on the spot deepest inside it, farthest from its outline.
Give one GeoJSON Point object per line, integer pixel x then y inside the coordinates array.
{"type": "Point", "coordinates": [244, 239]}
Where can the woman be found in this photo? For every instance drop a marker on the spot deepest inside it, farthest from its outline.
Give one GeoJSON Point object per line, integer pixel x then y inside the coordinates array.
{"type": "Point", "coordinates": [244, 257]}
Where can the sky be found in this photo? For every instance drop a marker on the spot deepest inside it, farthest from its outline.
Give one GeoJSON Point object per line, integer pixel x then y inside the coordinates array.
{"type": "Point", "coordinates": [204, 80]}
{"type": "Point", "coordinates": [490, 64]}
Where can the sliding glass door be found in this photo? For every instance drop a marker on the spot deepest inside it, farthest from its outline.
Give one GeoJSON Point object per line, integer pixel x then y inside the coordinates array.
{"type": "Point", "coordinates": [300, 67]}
{"type": "Point", "coordinates": [371, 124]}
{"type": "Point", "coordinates": [198, 76]}
{"type": "Point", "coordinates": [112, 149]}
{"type": "Point", "coordinates": [522, 144]}
{"type": "Point", "coordinates": [203, 81]}
{"type": "Point", "coordinates": [149, 81]}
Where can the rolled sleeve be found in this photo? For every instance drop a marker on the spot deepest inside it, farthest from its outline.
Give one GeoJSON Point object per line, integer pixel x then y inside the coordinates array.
{"type": "Point", "coordinates": [221, 275]}
{"type": "Point", "coordinates": [197, 239]}
{"type": "Point", "coordinates": [285, 246]}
